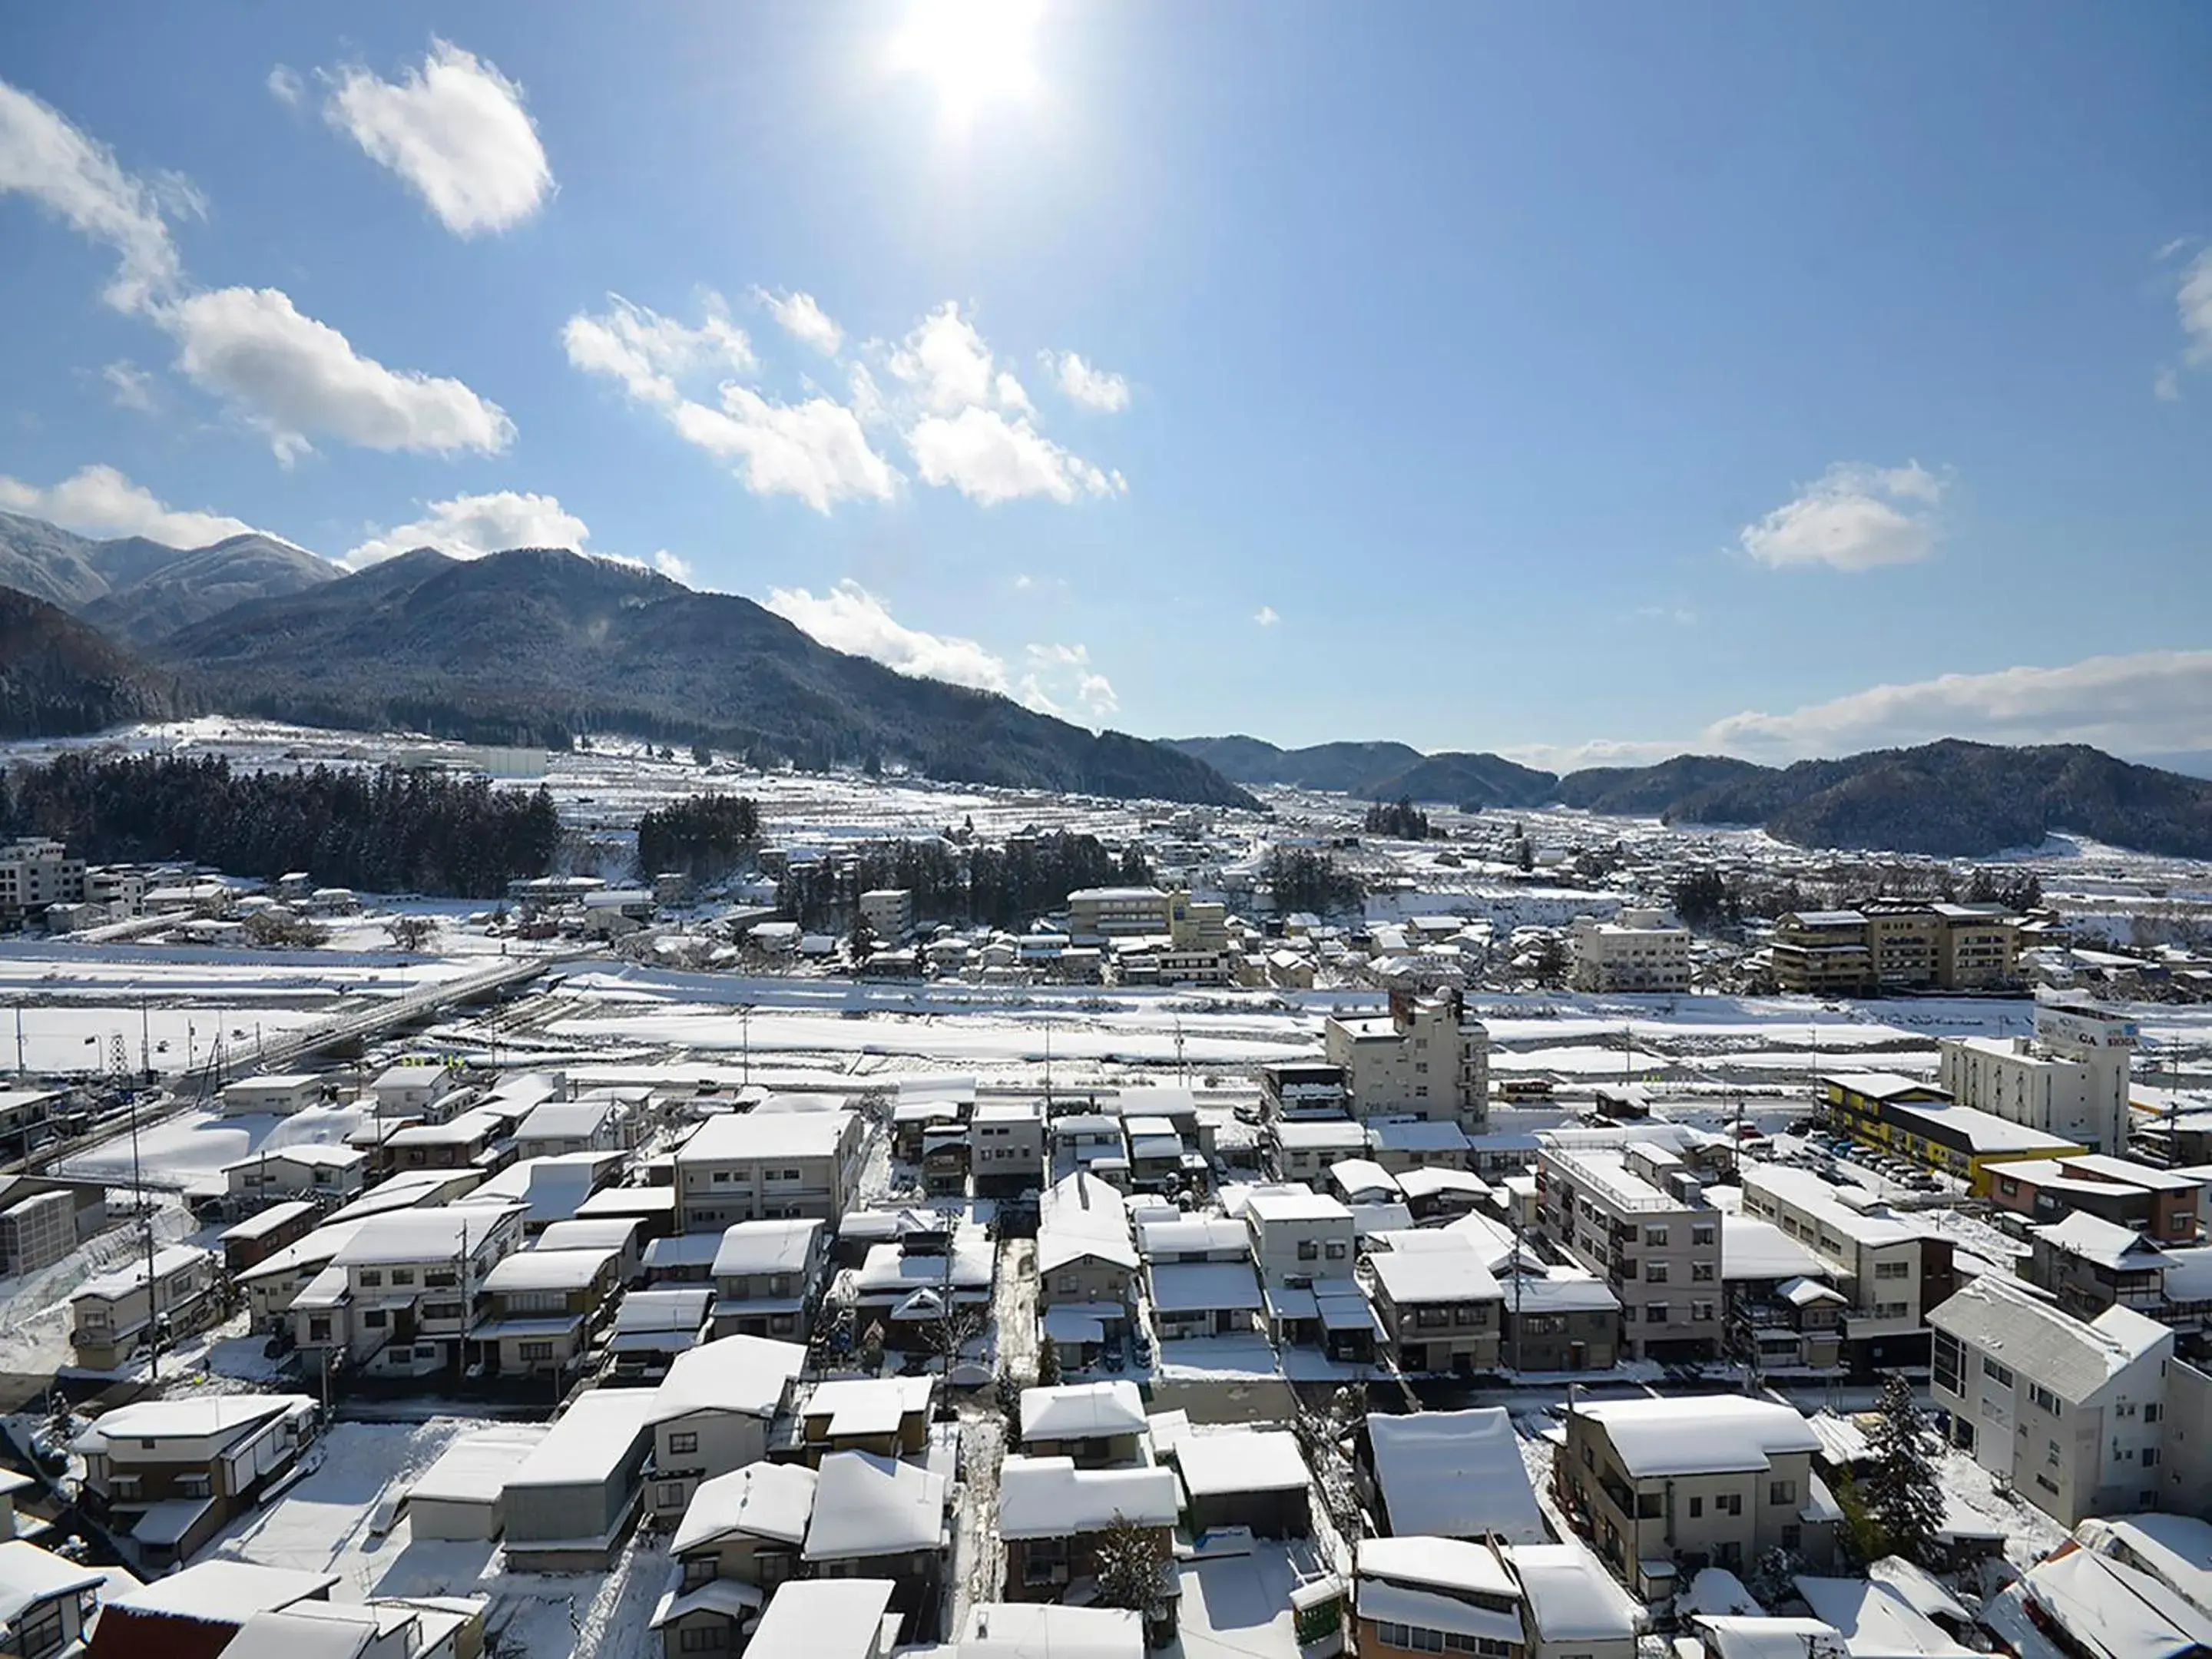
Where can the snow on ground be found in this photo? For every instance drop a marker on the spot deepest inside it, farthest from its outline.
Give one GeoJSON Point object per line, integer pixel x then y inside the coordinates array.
{"type": "Point", "coordinates": [2029, 1533]}
{"type": "Point", "coordinates": [193, 1148]}
{"type": "Point", "coordinates": [34, 1308]}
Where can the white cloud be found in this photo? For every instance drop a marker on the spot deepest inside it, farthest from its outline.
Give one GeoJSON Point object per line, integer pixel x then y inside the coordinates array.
{"type": "Point", "coordinates": [647, 352]}
{"type": "Point", "coordinates": [455, 129]}
{"type": "Point", "coordinates": [814, 450]}
{"type": "Point", "coordinates": [296, 378]}
{"type": "Point", "coordinates": [849, 618]}
{"type": "Point", "coordinates": [1094, 387]}
{"type": "Point", "coordinates": [989, 459]}
{"type": "Point", "coordinates": [1266, 616]}
{"type": "Point", "coordinates": [2166, 386]}
{"type": "Point", "coordinates": [98, 501]}
{"type": "Point", "coordinates": [45, 158]}
{"type": "Point", "coordinates": [2194, 301]}
{"type": "Point", "coordinates": [1854, 517]}
{"type": "Point", "coordinates": [286, 87]}
{"type": "Point", "coordinates": [800, 316]}
{"type": "Point", "coordinates": [675, 569]}
{"type": "Point", "coordinates": [469, 527]}
{"type": "Point", "coordinates": [944, 362]}
{"type": "Point", "coordinates": [1059, 677]}
{"type": "Point", "coordinates": [131, 386]}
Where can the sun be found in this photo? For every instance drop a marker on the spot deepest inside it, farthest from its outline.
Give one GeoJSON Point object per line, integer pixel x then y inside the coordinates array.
{"type": "Point", "coordinates": [973, 53]}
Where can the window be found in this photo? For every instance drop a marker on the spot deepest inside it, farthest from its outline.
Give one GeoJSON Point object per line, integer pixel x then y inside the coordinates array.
{"type": "Point", "coordinates": [680, 1443]}
{"type": "Point", "coordinates": [530, 1351]}
{"type": "Point", "coordinates": [1309, 1249]}
{"type": "Point", "coordinates": [703, 1639]}
{"type": "Point", "coordinates": [1334, 1250]}
{"type": "Point", "coordinates": [1697, 1509]}
{"type": "Point", "coordinates": [1730, 1504]}
{"type": "Point", "coordinates": [41, 1631]}
{"type": "Point", "coordinates": [1947, 1362]}
{"type": "Point", "coordinates": [2150, 1413]}
{"type": "Point", "coordinates": [670, 1495]}
{"type": "Point", "coordinates": [1654, 1272]}
{"type": "Point", "coordinates": [2150, 1457]}
{"type": "Point", "coordinates": [1782, 1492]}
{"type": "Point", "coordinates": [402, 1275]}
{"type": "Point", "coordinates": [372, 1278]}
{"type": "Point", "coordinates": [2000, 1375]}
{"type": "Point", "coordinates": [1654, 1239]}
{"type": "Point", "coordinates": [1893, 1270]}
{"type": "Point", "coordinates": [1701, 1271]}
{"type": "Point", "coordinates": [1792, 1535]}
{"type": "Point", "coordinates": [1701, 1312]}
{"type": "Point", "coordinates": [1647, 1506]}
{"type": "Point", "coordinates": [1656, 1312]}
{"type": "Point", "coordinates": [440, 1279]}
{"type": "Point", "coordinates": [2043, 1398]}
{"type": "Point", "coordinates": [375, 1319]}
{"type": "Point", "coordinates": [1703, 1233]}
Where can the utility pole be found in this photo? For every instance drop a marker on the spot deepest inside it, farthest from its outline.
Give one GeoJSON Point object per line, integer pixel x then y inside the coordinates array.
{"type": "Point", "coordinates": [146, 1219]}
{"type": "Point", "coordinates": [145, 1043]}
{"type": "Point", "coordinates": [745, 1031]}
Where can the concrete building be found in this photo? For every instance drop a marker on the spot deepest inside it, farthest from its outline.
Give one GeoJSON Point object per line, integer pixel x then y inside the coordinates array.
{"type": "Point", "coordinates": [114, 1313]}
{"type": "Point", "coordinates": [1427, 1058]}
{"type": "Point", "coordinates": [1639, 949]}
{"type": "Point", "coordinates": [1637, 1217]}
{"type": "Point", "coordinates": [2163, 1205]}
{"type": "Point", "coordinates": [1668, 1486]}
{"type": "Point", "coordinates": [1114, 912]}
{"type": "Point", "coordinates": [1440, 1307]}
{"type": "Point", "coordinates": [1890, 1266]}
{"type": "Point", "coordinates": [1895, 945]}
{"type": "Point", "coordinates": [1822, 953]}
{"type": "Point", "coordinates": [2070, 1080]}
{"type": "Point", "coordinates": [1925, 1125]}
{"type": "Point", "coordinates": [1006, 1145]}
{"type": "Point", "coordinates": [888, 912]}
{"type": "Point", "coordinates": [42, 1221]}
{"type": "Point", "coordinates": [35, 872]}
{"type": "Point", "coordinates": [1299, 1235]}
{"type": "Point", "coordinates": [766, 1163]}
{"type": "Point", "coordinates": [2072, 1414]}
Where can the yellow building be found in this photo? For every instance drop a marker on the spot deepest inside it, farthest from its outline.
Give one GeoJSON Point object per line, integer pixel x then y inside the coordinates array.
{"type": "Point", "coordinates": [1922, 1124]}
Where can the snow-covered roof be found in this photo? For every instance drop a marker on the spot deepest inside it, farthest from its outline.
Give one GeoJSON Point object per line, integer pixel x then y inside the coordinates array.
{"type": "Point", "coordinates": [747, 1375]}
{"type": "Point", "coordinates": [1571, 1595]}
{"type": "Point", "coordinates": [29, 1574]}
{"type": "Point", "coordinates": [1046, 1630]}
{"type": "Point", "coordinates": [1455, 1475]}
{"type": "Point", "coordinates": [2072, 1359]}
{"type": "Point", "coordinates": [2108, 1606]}
{"type": "Point", "coordinates": [1874, 1619]}
{"type": "Point", "coordinates": [262, 1222]}
{"type": "Point", "coordinates": [855, 1405]}
{"type": "Point", "coordinates": [1318, 1134]}
{"type": "Point", "coordinates": [565, 1120]}
{"type": "Point", "coordinates": [133, 1276]}
{"type": "Point", "coordinates": [1185, 1234]}
{"type": "Point", "coordinates": [195, 1417]}
{"type": "Point", "coordinates": [1050, 1498]}
{"type": "Point", "coordinates": [475, 1468]}
{"type": "Point", "coordinates": [1432, 1181]}
{"type": "Point", "coordinates": [218, 1592]}
{"type": "Point", "coordinates": [768, 1246]}
{"type": "Point", "coordinates": [1733, 1636]}
{"type": "Point", "coordinates": [308, 1154]}
{"type": "Point", "coordinates": [1415, 1134]}
{"type": "Point", "coordinates": [1291, 1203]}
{"type": "Point", "coordinates": [732, 1597]}
{"type": "Point", "coordinates": [742, 1137]}
{"type": "Point", "coordinates": [589, 1441]}
{"type": "Point", "coordinates": [1438, 1275]}
{"type": "Point", "coordinates": [1699, 1434]}
{"type": "Point", "coordinates": [1362, 1175]}
{"type": "Point", "coordinates": [1241, 1460]}
{"type": "Point", "coordinates": [1446, 1564]}
{"type": "Point", "coordinates": [670, 1307]}
{"type": "Point", "coordinates": [865, 1505]}
{"type": "Point", "coordinates": [764, 1500]}
{"type": "Point", "coordinates": [2176, 1549]}
{"type": "Point", "coordinates": [1077, 1410]}
{"type": "Point", "coordinates": [1204, 1286]}
{"type": "Point", "coordinates": [2104, 1243]}
{"type": "Point", "coordinates": [421, 1236]}
{"type": "Point", "coordinates": [1756, 1251]}
{"type": "Point", "coordinates": [547, 1270]}
{"type": "Point", "coordinates": [822, 1618]}
{"type": "Point", "coordinates": [1921, 1590]}
{"type": "Point", "coordinates": [601, 1233]}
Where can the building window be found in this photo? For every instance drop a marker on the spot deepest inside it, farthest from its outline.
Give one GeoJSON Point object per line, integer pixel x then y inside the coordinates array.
{"type": "Point", "coordinates": [1654, 1272]}
{"type": "Point", "coordinates": [1656, 1312]}
{"type": "Point", "coordinates": [1654, 1239]}
{"type": "Point", "coordinates": [672, 1496]}
{"type": "Point", "coordinates": [2150, 1413]}
{"type": "Point", "coordinates": [1334, 1250]}
{"type": "Point", "coordinates": [1309, 1249]}
{"type": "Point", "coordinates": [1701, 1312]}
{"type": "Point", "coordinates": [1701, 1271]}
{"type": "Point", "coordinates": [1782, 1492]}
{"type": "Point", "coordinates": [372, 1278]}
{"type": "Point", "coordinates": [2000, 1375]}
{"type": "Point", "coordinates": [2043, 1398]}
{"type": "Point", "coordinates": [530, 1351]}
{"type": "Point", "coordinates": [680, 1443]}
{"type": "Point", "coordinates": [2150, 1457]}
{"type": "Point", "coordinates": [1703, 1233]}
{"type": "Point", "coordinates": [1697, 1509]}
{"type": "Point", "coordinates": [1730, 1504]}
{"type": "Point", "coordinates": [1893, 1269]}
{"type": "Point", "coordinates": [1792, 1535]}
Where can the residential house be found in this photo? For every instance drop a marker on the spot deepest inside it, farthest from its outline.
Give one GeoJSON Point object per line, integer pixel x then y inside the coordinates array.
{"type": "Point", "coordinates": [735, 1545]}
{"type": "Point", "coordinates": [399, 1296]}
{"type": "Point", "coordinates": [930, 1291]}
{"type": "Point", "coordinates": [616, 1233]}
{"type": "Point", "coordinates": [1891, 1267]}
{"type": "Point", "coordinates": [1303, 1149]}
{"type": "Point", "coordinates": [273, 1095]}
{"type": "Point", "coordinates": [1254, 1479]}
{"type": "Point", "coordinates": [541, 1309]}
{"type": "Point", "coordinates": [1297, 1089]}
{"type": "Point", "coordinates": [1006, 1142]}
{"type": "Point", "coordinates": [596, 1123]}
{"type": "Point", "coordinates": [1086, 1260]}
{"type": "Point", "coordinates": [683, 1259]}
{"type": "Point", "coordinates": [1084, 1140]}
{"type": "Point", "coordinates": [828, 1620]}
{"type": "Point", "coordinates": [250, 1242]}
{"type": "Point", "coordinates": [2163, 1205]}
{"type": "Point", "coordinates": [47, 1601]}
{"type": "Point", "coordinates": [1782, 1314]}
{"type": "Point", "coordinates": [169, 1296]}
{"type": "Point", "coordinates": [1636, 1216]}
{"type": "Point", "coordinates": [1413, 1595]}
{"type": "Point", "coordinates": [1403, 1145]}
{"type": "Point", "coordinates": [420, 1088]}
{"type": "Point", "coordinates": [886, 1416]}
{"type": "Point", "coordinates": [168, 1473]}
{"type": "Point", "coordinates": [197, 1613]}
{"type": "Point", "coordinates": [1297, 1236]}
{"type": "Point", "coordinates": [1571, 1607]}
{"type": "Point", "coordinates": [1665, 1486]}
{"type": "Point", "coordinates": [477, 1139]}
{"type": "Point", "coordinates": [2088, 1266]}
{"type": "Point", "coordinates": [1427, 1058]}
{"type": "Point", "coordinates": [1042, 1630]}
{"type": "Point", "coordinates": [1361, 1181]}
{"type": "Point", "coordinates": [1093, 1425]}
{"type": "Point", "coordinates": [1557, 1318]}
{"type": "Point", "coordinates": [714, 1411]}
{"type": "Point", "coordinates": [652, 1327]}
{"type": "Point", "coordinates": [1448, 1474]}
{"type": "Point", "coordinates": [570, 1504]}
{"type": "Point", "coordinates": [877, 1518]}
{"type": "Point", "coordinates": [1051, 1515]}
{"type": "Point", "coordinates": [271, 1283]}
{"type": "Point", "coordinates": [1441, 1308]}
{"type": "Point", "coordinates": [768, 1278]}
{"type": "Point", "coordinates": [2068, 1413]}
{"type": "Point", "coordinates": [764, 1163]}
{"type": "Point", "coordinates": [331, 1176]}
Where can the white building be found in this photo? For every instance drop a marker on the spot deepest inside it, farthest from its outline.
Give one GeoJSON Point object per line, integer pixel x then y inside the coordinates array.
{"type": "Point", "coordinates": [279, 1095]}
{"type": "Point", "coordinates": [2071, 1080]}
{"type": "Point", "coordinates": [888, 912]}
{"type": "Point", "coordinates": [1108, 912]}
{"type": "Point", "coordinates": [1638, 951]}
{"type": "Point", "coordinates": [768, 1163]}
{"type": "Point", "coordinates": [35, 872]}
{"type": "Point", "coordinates": [1425, 1058]}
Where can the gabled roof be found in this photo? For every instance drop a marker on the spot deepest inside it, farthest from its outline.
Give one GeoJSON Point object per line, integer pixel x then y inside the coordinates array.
{"type": "Point", "coordinates": [1446, 1564]}
{"type": "Point", "coordinates": [29, 1574]}
{"type": "Point", "coordinates": [1435, 1275]}
{"type": "Point", "coordinates": [1077, 1410]}
{"type": "Point", "coordinates": [767, 1246]}
{"type": "Point", "coordinates": [1454, 1474]}
{"type": "Point", "coordinates": [2073, 1359]}
{"type": "Point", "coordinates": [1699, 1434]}
{"type": "Point", "coordinates": [865, 1505]}
{"type": "Point", "coordinates": [1050, 1498]}
{"type": "Point", "coordinates": [194, 1418]}
{"type": "Point", "coordinates": [746, 1375]}
{"type": "Point", "coordinates": [822, 1618]}
{"type": "Point", "coordinates": [2105, 1242]}
{"type": "Point", "coordinates": [764, 1500]}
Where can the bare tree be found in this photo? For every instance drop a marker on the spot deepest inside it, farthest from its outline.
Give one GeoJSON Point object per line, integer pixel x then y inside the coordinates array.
{"type": "Point", "coordinates": [411, 933]}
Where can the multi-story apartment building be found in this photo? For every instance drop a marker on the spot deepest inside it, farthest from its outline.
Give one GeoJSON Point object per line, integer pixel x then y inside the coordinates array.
{"type": "Point", "coordinates": [888, 912]}
{"type": "Point", "coordinates": [1905, 941]}
{"type": "Point", "coordinates": [112, 1314]}
{"type": "Point", "coordinates": [1980, 948]}
{"type": "Point", "coordinates": [1426, 1058]}
{"type": "Point", "coordinates": [1668, 1486]}
{"type": "Point", "coordinates": [1440, 1307]}
{"type": "Point", "coordinates": [1636, 1215]}
{"type": "Point", "coordinates": [399, 1296]}
{"type": "Point", "coordinates": [1113, 912]}
{"type": "Point", "coordinates": [2163, 1205]}
{"type": "Point", "coordinates": [2072, 1414]}
{"type": "Point", "coordinates": [1301, 1088]}
{"type": "Point", "coordinates": [169, 1474]}
{"type": "Point", "coordinates": [1006, 1144]}
{"type": "Point", "coordinates": [1822, 953]}
{"type": "Point", "coordinates": [2071, 1080]}
{"type": "Point", "coordinates": [35, 872]}
{"type": "Point", "coordinates": [1889, 1266]}
{"type": "Point", "coordinates": [767, 1163]}
{"type": "Point", "coordinates": [1895, 945]}
{"type": "Point", "coordinates": [1639, 949]}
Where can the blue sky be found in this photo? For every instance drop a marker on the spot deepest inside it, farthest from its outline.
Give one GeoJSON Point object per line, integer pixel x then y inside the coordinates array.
{"type": "Point", "coordinates": [1565, 382]}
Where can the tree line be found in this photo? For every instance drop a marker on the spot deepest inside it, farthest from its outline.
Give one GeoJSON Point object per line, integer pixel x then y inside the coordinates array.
{"type": "Point", "coordinates": [705, 836]}
{"type": "Point", "coordinates": [1004, 887]}
{"type": "Point", "coordinates": [387, 830]}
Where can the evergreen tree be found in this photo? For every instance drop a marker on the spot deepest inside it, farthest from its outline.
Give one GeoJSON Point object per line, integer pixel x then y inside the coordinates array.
{"type": "Point", "coordinates": [1903, 1492]}
{"type": "Point", "coordinates": [860, 942]}
{"type": "Point", "coordinates": [1131, 1560]}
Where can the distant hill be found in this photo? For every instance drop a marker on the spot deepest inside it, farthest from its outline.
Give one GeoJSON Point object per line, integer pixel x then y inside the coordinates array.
{"type": "Point", "coordinates": [535, 644]}
{"type": "Point", "coordinates": [1948, 800]}
{"type": "Point", "coordinates": [61, 678]}
{"type": "Point", "coordinates": [135, 589]}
